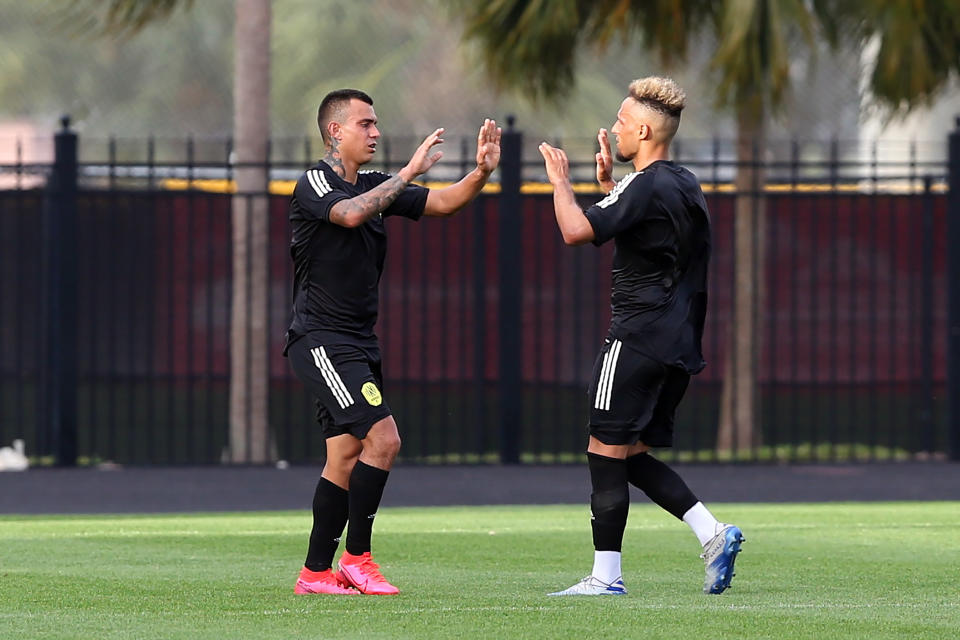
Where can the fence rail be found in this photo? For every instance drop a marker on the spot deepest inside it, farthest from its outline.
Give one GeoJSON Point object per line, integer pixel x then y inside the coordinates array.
{"type": "Point", "coordinates": [115, 294]}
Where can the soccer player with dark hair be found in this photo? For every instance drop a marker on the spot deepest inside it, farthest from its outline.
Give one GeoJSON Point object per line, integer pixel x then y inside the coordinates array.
{"type": "Point", "coordinates": [338, 247]}
{"type": "Point", "coordinates": [658, 220]}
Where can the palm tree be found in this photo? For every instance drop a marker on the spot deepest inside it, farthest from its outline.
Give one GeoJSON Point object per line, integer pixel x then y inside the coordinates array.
{"type": "Point", "coordinates": [249, 362]}
{"type": "Point", "coordinates": [249, 357]}
{"type": "Point", "coordinates": [532, 45]}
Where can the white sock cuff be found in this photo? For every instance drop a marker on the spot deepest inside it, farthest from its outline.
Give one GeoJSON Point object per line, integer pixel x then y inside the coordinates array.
{"type": "Point", "coordinates": [702, 522]}
{"type": "Point", "coordinates": [606, 566]}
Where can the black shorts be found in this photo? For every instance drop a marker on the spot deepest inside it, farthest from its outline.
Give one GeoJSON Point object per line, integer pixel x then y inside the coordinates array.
{"type": "Point", "coordinates": [346, 382]}
{"type": "Point", "coordinates": [634, 398]}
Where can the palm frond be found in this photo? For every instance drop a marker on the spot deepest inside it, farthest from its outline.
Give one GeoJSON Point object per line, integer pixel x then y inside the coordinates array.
{"type": "Point", "coordinates": [532, 45]}
{"type": "Point", "coordinates": [526, 44]}
{"type": "Point", "coordinates": [121, 18]}
{"type": "Point", "coordinates": [753, 57]}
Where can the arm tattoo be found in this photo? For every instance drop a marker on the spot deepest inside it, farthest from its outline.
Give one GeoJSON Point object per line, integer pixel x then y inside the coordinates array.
{"type": "Point", "coordinates": [366, 205]}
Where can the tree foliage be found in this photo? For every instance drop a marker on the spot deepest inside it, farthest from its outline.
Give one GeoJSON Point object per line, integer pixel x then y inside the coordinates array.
{"type": "Point", "coordinates": [916, 44]}
{"type": "Point", "coordinates": [166, 82]}
{"type": "Point", "coordinates": [175, 77]}
{"type": "Point", "coordinates": [122, 18]}
{"type": "Point", "coordinates": [534, 44]}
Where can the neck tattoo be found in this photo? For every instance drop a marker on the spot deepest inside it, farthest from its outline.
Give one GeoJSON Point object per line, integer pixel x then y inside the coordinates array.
{"type": "Point", "coordinates": [333, 159]}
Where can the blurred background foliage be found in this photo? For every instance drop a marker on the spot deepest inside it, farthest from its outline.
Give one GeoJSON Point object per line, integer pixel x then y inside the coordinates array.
{"type": "Point", "coordinates": [175, 78]}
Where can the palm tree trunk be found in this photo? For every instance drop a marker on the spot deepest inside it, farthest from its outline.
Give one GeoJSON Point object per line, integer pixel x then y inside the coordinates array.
{"type": "Point", "coordinates": [249, 362]}
{"type": "Point", "coordinates": [739, 401]}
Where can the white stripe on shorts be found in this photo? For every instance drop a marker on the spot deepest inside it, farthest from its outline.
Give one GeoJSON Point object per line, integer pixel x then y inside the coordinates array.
{"type": "Point", "coordinates": [607, 371]}
{"type": "Point", "coordinates": [332, 377]}
{"type": "Point", "coordinates": [603, 376]}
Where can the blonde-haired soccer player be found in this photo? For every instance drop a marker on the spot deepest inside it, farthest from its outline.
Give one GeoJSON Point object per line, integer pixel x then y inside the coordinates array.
{"type": "Point", "coordinates": [658, 220]}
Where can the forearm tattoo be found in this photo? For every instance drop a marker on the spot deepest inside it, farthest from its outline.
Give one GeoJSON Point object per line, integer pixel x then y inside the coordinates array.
{"type": "Point", "coordinates": [367, 205]}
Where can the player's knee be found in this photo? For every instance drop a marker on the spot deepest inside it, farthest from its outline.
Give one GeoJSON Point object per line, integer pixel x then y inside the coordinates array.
{"type": "Point", "coordinates": [337, 470]}
{"type": "Point", "coordinates": [392, 445]}
{"type": "Point", "coordinates": [383, 445]}
{"type": "Point", "coordinates": [345, 463]}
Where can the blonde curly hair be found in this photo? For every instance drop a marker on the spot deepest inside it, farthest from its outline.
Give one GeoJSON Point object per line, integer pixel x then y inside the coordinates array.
{"type": "Point", "coordinates": [664, 100]}
{"type": "Point", "coordinates": [662, 94]}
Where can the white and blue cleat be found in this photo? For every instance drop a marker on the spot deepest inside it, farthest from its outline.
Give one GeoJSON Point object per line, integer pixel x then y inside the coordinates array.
{"type": "Point", "coordinates": [591, 586]}
{"type": "Point", "coordinates": [718, 555]}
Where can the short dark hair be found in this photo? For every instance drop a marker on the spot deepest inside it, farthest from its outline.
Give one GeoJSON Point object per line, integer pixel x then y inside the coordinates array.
{"type": "Point", "coordinates": [333, 102]}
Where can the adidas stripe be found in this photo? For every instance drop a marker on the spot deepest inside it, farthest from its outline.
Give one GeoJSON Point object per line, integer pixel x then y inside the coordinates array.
{"type": "Point", "coordinates": [607, 371]}
{"type": "Point", "coordinates": [333, 379]}
{"type": "Point", "coordinates": [614, 195]}
{"type": "Point", "coordinates": [319, 182]}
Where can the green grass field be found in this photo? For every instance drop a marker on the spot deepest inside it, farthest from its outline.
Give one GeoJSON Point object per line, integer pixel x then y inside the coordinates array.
{"type": "Point", "coordinates": [876, 570]}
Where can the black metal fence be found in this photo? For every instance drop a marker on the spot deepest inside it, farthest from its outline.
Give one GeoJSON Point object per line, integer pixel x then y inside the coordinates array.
{"type": "Point", "coordinates": [115, 294]}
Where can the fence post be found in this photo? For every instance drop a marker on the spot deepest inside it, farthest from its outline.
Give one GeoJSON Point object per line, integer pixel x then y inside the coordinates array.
{"type": "Point", "coordinates": [925, 415]}
{"type": "Point", "coordinates": [953, 286]}
{"type": "Point", "coordinates": [60, 230]}
{"type": "Point", "coordinates": [510, 294]}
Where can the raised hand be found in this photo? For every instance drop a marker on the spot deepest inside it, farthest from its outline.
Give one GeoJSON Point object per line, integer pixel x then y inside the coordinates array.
{"type": "Point", "coordinates": [488, 146]}
{"type": "Point", "coordinates": [557, 164]}
{"type": "Point", "coordinates": [422, 160]}
{"type": "Point", "coordinates": [604, 162]}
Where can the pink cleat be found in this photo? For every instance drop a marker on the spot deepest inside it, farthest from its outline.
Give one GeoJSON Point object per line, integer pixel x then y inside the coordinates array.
{"type": "Point", "coordinates": [364, 574]}
{"type": "Point", "coordinates": [321, 582]}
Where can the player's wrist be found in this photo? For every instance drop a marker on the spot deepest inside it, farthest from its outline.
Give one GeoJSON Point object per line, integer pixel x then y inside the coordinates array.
{"type": "Point", "coordinates": [407, 174]}
{"type": "Point", "coordinates": [482, 172]}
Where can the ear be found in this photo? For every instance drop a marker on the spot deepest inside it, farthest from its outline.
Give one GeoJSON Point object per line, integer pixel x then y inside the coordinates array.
{"type": "Point", "coordinates": [645, 132]}
{"type": "Point", "coordinates": [333, 130]}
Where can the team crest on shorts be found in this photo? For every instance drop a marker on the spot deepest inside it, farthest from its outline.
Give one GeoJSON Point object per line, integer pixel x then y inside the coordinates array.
{"type": "Point", "coordinates": [372, 394]}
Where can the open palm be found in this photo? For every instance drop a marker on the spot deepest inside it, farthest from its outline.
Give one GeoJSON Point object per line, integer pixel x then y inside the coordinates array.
{"type": "Point", "coordinates": [488, 146]}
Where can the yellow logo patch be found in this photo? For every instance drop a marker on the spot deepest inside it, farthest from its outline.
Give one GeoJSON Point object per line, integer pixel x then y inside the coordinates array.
{"type": "Point", "coordinates": [372, 394]}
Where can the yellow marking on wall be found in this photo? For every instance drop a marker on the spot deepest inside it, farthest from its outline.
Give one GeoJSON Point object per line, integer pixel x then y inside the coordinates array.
{"type": "Point", "coordinates": [867, 186]}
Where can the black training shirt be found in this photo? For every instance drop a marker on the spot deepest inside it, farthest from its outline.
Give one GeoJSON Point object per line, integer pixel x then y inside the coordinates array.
{"type": "Point", "coordinates": [336, 269]}
{"type": "Point", "coordinates": [660, 226]}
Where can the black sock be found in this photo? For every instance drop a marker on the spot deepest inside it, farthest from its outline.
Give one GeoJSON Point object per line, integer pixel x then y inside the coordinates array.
{"type": "Point", "coordinates": [366, 489]}
{"type": "Point", "coordinates": [661, 483]}
{"type": "Point", "coordinates": [609, 502]}
{"type": "Point", "coordinates": [330, 504]}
